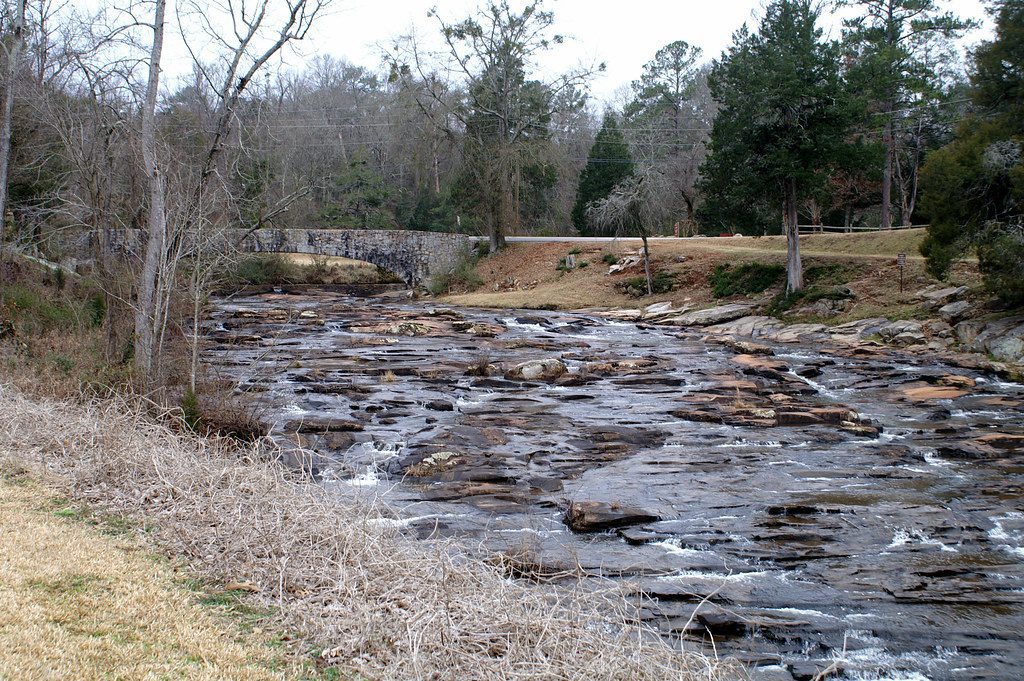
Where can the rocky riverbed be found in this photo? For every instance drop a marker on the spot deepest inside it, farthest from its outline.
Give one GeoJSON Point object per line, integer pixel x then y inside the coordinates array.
{"type": "Point", "coordinates": [815, 503]}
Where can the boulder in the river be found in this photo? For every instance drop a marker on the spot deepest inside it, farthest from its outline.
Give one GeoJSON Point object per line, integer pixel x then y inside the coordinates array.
{"type": "Point", "coordinates": [710, 316]}
{"type": "Point", "coordinates": [745, 347]}
{"type": "Point", "coordinates": [986, 447]}
{"type": "Point", "coordinates": [433, 464]}
{"type": "Point", "coordinates": [892, 330]}
{"type": "Point", "coordinates": [825, 307]}
{"type": "Point", "coordinates": [633, 365]}
{"type": "Point", "coordinates": [957, 381]}
{"type": "Point", "coordinates": [537, 370]}
{"type": "Point", "coordinates": [954, 311]}
{"type": "Point", "coordinates": [928, 393]}
{"type": "Point", "coordinates": [833, 416]}
{"type": "Point", "coordinates": [1002, 338]}
{"type": "Point", "coordinates": [753, 326]}
{"type": "Point", "coordinates": [594, 516]}
{"type": "Point", "coordinates": [480, 329]}
{"type": "Point", "coordinates": [760, 366]}
{"type": "Point", "coordinates": [314, 424]}
{"type": "Point", "coordinates": [933, 300]}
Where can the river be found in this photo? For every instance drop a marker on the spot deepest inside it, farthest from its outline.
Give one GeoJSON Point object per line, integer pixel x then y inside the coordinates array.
{"type": "Point", "coordinates": [818, 504]}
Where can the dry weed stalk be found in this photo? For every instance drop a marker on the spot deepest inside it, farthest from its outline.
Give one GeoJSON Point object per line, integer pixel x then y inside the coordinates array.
{"type": "Point", "coordinates": [378, 603]}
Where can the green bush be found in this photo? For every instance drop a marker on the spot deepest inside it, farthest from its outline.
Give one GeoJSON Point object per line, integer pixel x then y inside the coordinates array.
{"type": "Point", "coordinates": [462, 276]}
{"type": "Point", "coordinates": [96, 309]}
{"type": "Point", "coordinates": [610, 259]}
{"type": "Point", "coordinates": [65, 363]}
{"type": "Point", "coordinates": [1001, 259]}
{"type": "Point", "coordinates": [661, 282]}
{"type": "Point", "coordinates": [261, 270]}
{"type": "Point", "coordinates": [830, 273]}
{"type": "Point", "coordinates": [750, 277]}
{"type": "Point", "coordinates": [786, 301]}
{"type": "Point", "coordinates": [35, 311]}
{"type": "Point", "coordinates": [190, 412]}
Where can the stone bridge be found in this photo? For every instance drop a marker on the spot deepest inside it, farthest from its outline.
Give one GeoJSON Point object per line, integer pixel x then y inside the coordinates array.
{"type": "Point", "coordinates": [414, 256]}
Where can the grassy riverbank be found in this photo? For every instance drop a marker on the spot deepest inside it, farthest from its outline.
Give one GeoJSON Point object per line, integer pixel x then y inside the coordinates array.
{"type": "Point", "coordinates": [530, 276]}
{"type": "Point", "coordinates": [82, 596]}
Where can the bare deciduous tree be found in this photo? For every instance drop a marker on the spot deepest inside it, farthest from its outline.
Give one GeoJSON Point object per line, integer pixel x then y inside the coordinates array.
{"type": "Point", "coordinates": [633, 208]}
{"type": "Point", "coordinates": [505, 116]}
{"type": "Point", "coordinates": [14, 49]}
{"type": "Point", "coordinates": [259, 31]}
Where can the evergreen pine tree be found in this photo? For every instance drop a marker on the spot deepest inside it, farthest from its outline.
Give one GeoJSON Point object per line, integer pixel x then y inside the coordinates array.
{"type": "Point", "coordinates": [973, 188]}
{"type": "Point", "coordinates": [782, 125]}
{"type": "Point", "coordinates": [608, 163]}
{"type": "Point", "coordinates": [894, 43]}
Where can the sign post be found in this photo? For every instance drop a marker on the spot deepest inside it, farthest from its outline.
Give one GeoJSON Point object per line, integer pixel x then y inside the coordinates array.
{"type": "Point", "coordinates": [901, 260]}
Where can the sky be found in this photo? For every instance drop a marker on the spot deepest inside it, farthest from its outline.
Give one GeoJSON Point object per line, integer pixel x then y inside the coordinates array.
{"type": "Point", "coordinates": [623, 34]}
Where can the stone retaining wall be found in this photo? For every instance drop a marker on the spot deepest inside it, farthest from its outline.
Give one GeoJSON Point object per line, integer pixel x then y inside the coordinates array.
{"type": "Point", "coordinates": [414, 256]}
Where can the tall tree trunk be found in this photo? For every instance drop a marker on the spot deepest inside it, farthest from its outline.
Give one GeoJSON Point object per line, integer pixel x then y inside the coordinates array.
{"type": "Point", "coordinates": [889, 142]}
{"type": "Point", "coordinates": [794, 268]}
{"type": "Point", "coordinates": [497, 240]}
{"type": "Point", "coordinates": [647, 265]}
{"type": "Point", "coordinates": [146, 314]}
{"type": "Point", "coordinates": [13, 57]}
{"type": "Point", "coordinates": [689, 207]}
{"type": "Point", "coordinates": [436, 167]}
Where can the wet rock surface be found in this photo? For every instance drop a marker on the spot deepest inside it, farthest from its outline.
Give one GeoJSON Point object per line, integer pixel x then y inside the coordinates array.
{"type": "Point", "coordinates": [807, 495]}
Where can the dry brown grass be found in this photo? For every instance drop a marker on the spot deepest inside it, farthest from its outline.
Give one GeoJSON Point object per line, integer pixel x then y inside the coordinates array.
{"type": "Point", "coordinates": [525, 274]}
{"type": "Point", "coordinates": [78, 604]}
{"type": "Point", "coordinates": [380, 605]}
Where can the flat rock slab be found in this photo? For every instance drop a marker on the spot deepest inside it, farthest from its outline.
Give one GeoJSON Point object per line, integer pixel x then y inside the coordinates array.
{"type": "Point", "coordinates": [594, 516]}
{"type": "Point", "coordinates": [933, 392]}
{"type": "Point", "coordinates": [710, 316]}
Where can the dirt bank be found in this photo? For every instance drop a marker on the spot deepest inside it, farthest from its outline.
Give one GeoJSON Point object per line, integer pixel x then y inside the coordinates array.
{"type": "Point", "coordinates": [528, 275]}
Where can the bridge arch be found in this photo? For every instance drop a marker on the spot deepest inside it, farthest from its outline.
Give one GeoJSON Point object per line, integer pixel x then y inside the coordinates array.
{"type": "Point", "coordinates": [414, 256]}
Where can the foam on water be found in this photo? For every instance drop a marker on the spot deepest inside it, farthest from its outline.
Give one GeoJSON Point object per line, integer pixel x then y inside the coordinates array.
{"type": "Point", "coordinates": [368, 478]}
{"type": "Point", "coordinates": [904, 537]}
{"type": "Point", "coordinates": [1007, 540]}
{"type": "Point", "coordinates": [675, 547]}
{"type": "Point", "coordinates": [684, 575]}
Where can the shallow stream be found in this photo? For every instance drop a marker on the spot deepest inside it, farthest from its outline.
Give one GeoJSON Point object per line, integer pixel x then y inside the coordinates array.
{"type": "Point", "coordinates": [892, 538]}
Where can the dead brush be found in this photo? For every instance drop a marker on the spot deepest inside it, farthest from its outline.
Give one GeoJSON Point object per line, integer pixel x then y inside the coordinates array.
{"type": "Point", "coordinates": [376, 603]}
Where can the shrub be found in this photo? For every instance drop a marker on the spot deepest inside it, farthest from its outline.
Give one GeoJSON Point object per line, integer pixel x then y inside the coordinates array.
{"type": "Point", "coordinates": [262, 269]}
{"type": "Point", "coordinates": [96, 309]}
{"type": "Point", "coordinates": [65, 363]}
{"type": "Point", "coordinates": [610, 259]}
{"type": "Point", "coordinates": [36, 311]}
{"type": "Point", "coordinates": [661, 282]}
{"type": "Point", "coordinates": [786, 301]}
{"type": "Point", "coordinates": [1001, 259]}
{"type": "Point", "coordinates": [462, 275]}
{"type": "Point", "coordinates": [829, 273]}
{"type": "Point", "coordinates": [190, 413]}
{"type": "Point", "coordinates": [750, 277]}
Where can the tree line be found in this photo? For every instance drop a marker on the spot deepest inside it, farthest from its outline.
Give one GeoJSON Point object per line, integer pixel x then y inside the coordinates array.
{"type": "Point", "coordinates": [468, 131]}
